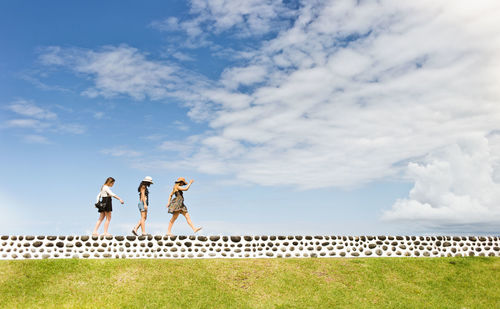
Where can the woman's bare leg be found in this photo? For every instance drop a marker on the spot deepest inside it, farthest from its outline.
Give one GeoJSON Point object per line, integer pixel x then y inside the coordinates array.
{"type": "Point", "coordinates": [142, 222]}
{"type": "Point", "coordinates": [144, 216]}
{"type": "Point", "coordinates": [99, 221]}
{"type": "Point", "coordinates": [106, 224]}
{"type": "Point", "coordinates": [172, 220]}
{"type": "Point", "coordinates": [188, 219]}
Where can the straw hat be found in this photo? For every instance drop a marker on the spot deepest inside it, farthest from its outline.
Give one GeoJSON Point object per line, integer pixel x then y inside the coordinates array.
{"type": "Point", "coordinates": [181, 180]}
{"type": "Point", "coordinates": [148, 179]}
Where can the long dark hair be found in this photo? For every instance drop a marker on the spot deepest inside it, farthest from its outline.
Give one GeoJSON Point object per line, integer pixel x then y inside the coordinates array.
{"type": "Point", "coordinates": [145, 184]}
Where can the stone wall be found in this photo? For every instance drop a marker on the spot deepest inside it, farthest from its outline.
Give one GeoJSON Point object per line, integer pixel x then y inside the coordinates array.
{"type": "Point", "coordinates": [87, 247]}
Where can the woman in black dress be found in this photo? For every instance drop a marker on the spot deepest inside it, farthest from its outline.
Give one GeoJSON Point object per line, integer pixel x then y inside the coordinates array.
{"type": "Point", "coordinates": [176, 205]}
{"type": "Point", "coordinates": [106, 194]}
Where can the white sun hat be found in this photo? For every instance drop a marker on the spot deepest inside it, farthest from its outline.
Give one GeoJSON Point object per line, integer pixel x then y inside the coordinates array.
{"type": "Point", "coordinates": [148, 179]}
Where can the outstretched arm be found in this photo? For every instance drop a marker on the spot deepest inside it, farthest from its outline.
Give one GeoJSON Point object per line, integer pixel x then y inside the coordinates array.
{"type": "Point", "coordinates": [110, 193]}
{"type": "Point", "coordinates": [186, 187]}
{"type": "Point", "coordinates": [116, 197]}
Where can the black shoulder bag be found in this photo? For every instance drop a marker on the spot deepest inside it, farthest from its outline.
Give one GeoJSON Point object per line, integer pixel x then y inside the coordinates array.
{"type": "Point", "coordinates": [100, 205]}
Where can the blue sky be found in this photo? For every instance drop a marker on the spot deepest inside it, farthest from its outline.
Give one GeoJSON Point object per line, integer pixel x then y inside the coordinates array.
{"type": "Point", "coordinates": [330, 117]}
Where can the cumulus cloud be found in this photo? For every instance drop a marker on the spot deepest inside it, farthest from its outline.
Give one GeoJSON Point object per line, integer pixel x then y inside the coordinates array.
{"type": "Point", "coordinates": [34, 77]}
{"type": "Point", "coordinates": [116, 70]}
{"type": "Point", "coordinates": [348, 93]}
{"type": "Point", "coordinates": [234, 77]}
{"type": "Point", "coordinates": [251, 17]}
{"type": "Point", "coordinates": [123, 70]}
{"type": "Point", "coordinates": [245, 18]}
{"type": "Point", "coordinates": [183, 147]}
{"type": "Point", "coordinates": [38, 119]}
{"type": "Point", "coordinates": [182, 56]}
{"type": "Point", "coordinates": [26, 123]}
{"type": "Point", "coordinates": [455, 186]}
{"type": "Point", "coordinates": [27, 108]}
{"type": "Point", "coordinates": [191, 30]}
{"type": "Point", "coordinates": [354, 90]}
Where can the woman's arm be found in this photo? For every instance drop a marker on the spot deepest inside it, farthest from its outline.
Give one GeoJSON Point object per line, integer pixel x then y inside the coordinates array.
{"type": "Point", "coordinates": [186, 187]}
{"type": "Point", "coordinates": [116, 197]}
{"type": "Point", "coordinates": [170, 197]}
{"type": "Point", "coordinates": [143, 197]}
{"type": "Point", "coordinates": [110, 193]}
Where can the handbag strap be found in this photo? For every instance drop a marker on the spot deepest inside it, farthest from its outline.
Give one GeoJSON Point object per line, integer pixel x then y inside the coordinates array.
{"type": "Point", "coordinates": [99, 196]}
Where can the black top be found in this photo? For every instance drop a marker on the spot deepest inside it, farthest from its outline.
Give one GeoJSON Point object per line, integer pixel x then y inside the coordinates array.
{"type": "Point", "coordinates": [146, 192]}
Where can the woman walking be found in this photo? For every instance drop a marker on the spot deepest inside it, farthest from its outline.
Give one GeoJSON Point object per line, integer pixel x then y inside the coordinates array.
{"type": "Point", "coordinates": [143, 204]}
{"type": "Point", "coordinates": [106, 195]}
{"type": "Point", "coordinates": [176, 205]}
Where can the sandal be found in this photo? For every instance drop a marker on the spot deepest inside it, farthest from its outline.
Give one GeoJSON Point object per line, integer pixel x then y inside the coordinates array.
{"type": "Point", "coordinates": [134, 232]}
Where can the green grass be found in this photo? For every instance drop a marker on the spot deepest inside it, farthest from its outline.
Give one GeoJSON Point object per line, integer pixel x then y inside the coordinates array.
{"type": "Point", "coordinates": [252, 283]}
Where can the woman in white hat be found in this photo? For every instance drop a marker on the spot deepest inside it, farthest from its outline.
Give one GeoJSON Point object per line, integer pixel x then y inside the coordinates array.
{"type": "Point", "coordinates": [143, 204]}
{"type": "Point", "coordinates": [176, 205]}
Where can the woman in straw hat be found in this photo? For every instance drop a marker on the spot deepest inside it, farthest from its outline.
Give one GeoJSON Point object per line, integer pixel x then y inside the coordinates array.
{"type": "Point", "coordinates": [176, 205]}
{"type": "Point", "coordinates": [143, 204]}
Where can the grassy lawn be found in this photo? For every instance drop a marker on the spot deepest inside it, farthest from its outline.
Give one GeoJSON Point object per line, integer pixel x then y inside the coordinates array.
{"type": "Point", "coordinates": [252, 283]}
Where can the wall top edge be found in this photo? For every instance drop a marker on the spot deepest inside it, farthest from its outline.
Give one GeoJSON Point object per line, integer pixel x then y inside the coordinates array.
{"type": "Point", "coordinates": [254, 237]}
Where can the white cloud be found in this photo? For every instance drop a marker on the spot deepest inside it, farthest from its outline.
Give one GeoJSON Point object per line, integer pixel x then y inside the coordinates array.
{"type": "Point", "coordinates": [124, 70]}
{"type": "Point", "coordinates": [239, 18]}
{"type": "Point", "coordinates": [168, 24]}
{"type": "Point", "coordinates": [179, 125]}
{"type": "Point", "coordinates": [346, 95]}
{"type": "Point", "coordinates": [246, 76]}
{"type": "Point", "coordinates": [353, 91]}
{"type": "Point", "coordinates": [40, 120]}
{"type": "Point", "coordinates": [121, 151]}
{"type": "Point", "coordinates": [26, 108]}
{"type": "Point", "coordinates": [454, 186]}
{"type": "Point", "coordinates": [184, 147]}
{"type": "Point", "coordinates": [26, 123]}
{"type": "Point", "coordinates": [98, 115]}
{"type": "Point", "coordinates": [33, 77]}
{"type": "Point", "coordinates": [182, 56]}
{"type": "Point", "coordinates": [249, 17]}
{"type": "Point", "coordinates": [116, 70]}
{"type": "Point", "coordinates": [228, 99]}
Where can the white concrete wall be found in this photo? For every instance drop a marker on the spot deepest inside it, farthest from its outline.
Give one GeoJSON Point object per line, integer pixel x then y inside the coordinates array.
{"type": "Point", "coordinates": [42, 247]}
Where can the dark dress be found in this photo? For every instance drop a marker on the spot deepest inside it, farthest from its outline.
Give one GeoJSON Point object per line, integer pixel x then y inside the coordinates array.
{"type": "Point", "coordinates": [177, 203]}
{"type": "Point", "coordinates": [109, 204]}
